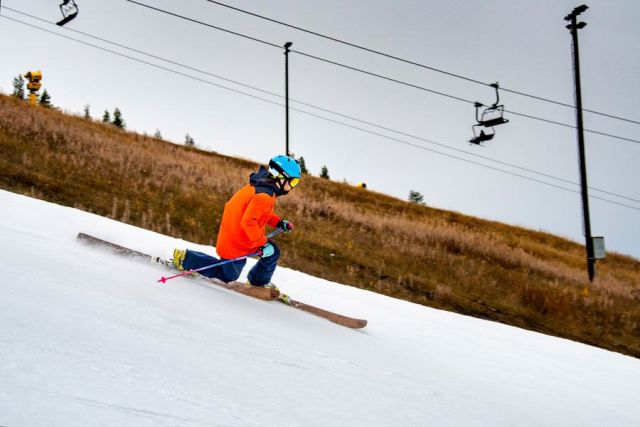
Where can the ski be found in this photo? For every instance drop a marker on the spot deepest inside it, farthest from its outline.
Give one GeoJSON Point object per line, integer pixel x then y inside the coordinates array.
{"type": "Point", "coordinates": [242, 288]}
{"type": "Point", "coordinates": [340, 319]}
{"type": "Point", "coordinates": [266, 294]}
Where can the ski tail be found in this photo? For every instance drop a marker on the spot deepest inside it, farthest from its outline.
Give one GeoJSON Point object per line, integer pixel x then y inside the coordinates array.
{"type": "Point", "coordinates": [94, 241]}
{"type": "Point", "coordinates": [252, 291]}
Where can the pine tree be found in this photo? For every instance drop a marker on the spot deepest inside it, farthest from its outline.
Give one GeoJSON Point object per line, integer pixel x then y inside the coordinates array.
{"type": "Point", "coordinates": [117, 119]}
{"type": "Point", "coordinates": [188, 141]}
{"type": "Point", "coordinates": [87, 113]}
{"type": "Point", "coordinates": [416, 197]}
{"type": "Point", "coordinates": [106, 117]}
{"type": "Point", "coordinates": [18, 87]}
{"type": "Point", "coordinates": [45, 99]}
{"type": "Point", "coordinates": [303, 165]}
{"type": "Point", "coordinates": [324, 173]}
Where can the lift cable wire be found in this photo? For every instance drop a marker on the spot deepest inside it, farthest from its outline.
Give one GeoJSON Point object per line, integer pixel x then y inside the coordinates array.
{"type": "Point", "coordinates": [206, 24]}
{"type": "Point", "coordinates": [380, 76]}
{"type": "Point", "coordinates": [407, 61]}
{"type": "Point", "coordinates": [325, 109]}
{"type": "Point", "coordinates": [515, 113]}
{"type": "Point", "coordinates": [307, 104]}
{"type": "Point", "coordinates": [336, 121]}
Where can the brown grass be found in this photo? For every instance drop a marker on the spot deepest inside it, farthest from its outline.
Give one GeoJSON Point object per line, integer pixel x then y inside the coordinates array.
{"type": "Point", "coordinates": [437, 258]}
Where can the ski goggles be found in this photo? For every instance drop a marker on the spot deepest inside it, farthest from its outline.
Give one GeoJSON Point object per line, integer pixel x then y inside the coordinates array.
{"type": "Point", "coordinates": [280, 174]}
{"type": "Point", "coordinates": [292, 181]}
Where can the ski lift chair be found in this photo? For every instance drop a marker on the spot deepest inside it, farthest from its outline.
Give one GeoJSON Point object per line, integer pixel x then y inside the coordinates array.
{"type": "Point", "coordinates": [493, 115]}
{"type": "Point", "coordinates": [481, 134]}
{"type": "Point", "coordinates": [490, 117]}
{"type": "Point", "coordinates": [69, 10]}
{"type": "Point", "coordinates": [481, 131]}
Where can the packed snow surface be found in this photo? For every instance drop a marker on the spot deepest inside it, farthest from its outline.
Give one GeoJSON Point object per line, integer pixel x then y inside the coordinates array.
{"type": "Point", "coordinates": [88, 338]}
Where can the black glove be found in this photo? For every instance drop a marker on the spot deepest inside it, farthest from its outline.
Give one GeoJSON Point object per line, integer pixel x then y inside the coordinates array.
{"type": "Point", "coordinates": [285, 226]}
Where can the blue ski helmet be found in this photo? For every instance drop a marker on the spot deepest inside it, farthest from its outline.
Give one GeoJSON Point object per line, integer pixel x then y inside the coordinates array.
{"type": "Point", "coordinates": [285, 167]}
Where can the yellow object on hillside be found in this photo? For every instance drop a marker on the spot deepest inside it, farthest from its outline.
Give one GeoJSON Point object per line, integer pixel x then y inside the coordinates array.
{"type": "Point", "coordinates": [34, 85]}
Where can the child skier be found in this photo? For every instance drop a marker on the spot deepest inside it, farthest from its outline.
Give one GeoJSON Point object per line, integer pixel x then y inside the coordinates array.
{"type": "Point", "coordinates": [242, 229]}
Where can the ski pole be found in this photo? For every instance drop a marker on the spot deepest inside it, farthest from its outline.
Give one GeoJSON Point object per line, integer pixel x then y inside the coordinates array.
{"type": "Point", "coordinates": [184, 273]}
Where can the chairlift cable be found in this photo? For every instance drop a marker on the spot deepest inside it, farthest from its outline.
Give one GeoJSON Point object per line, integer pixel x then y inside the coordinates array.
{"type": "Point", "coordinates": [336, 121]}
{"type": "Point", "coordinates": [571, 126]}
{"type": "Point", "coordinates": [235, 33]}
{"type": "Point", "coordinates": [339, 114]}
{"type": "Point", "coordinates": [414, 86]}
{"type": "Point", "coordinates": [417, 64]}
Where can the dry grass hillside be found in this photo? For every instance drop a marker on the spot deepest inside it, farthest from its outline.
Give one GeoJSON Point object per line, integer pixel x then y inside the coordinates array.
{"type": "Point", "coordinates": [437, 258]}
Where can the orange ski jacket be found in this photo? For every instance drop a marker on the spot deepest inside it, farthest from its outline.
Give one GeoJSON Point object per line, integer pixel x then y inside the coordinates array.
{"type": "Point", "coordinates": [242, 229]}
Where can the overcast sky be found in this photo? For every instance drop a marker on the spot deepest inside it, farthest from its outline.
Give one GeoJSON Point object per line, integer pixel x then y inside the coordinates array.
{"type": "Point", "coordinates": [522, 44]}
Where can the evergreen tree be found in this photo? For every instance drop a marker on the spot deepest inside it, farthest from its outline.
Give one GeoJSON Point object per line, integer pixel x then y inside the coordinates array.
{"type": "Point", "coordinates": [106, 117]}
{"type": "Point", "coordinates": [157, 134]}
{"type": "Point", "coordinates": [416, 197]}
{"type": "Point", "coordinates": [117, 119]}
{"type": "Point", "coordinates": [324, 173]}
{"type": "Point", "coordinates": [87, 113]}
{"type": "Point", "coordinates": [45, 99]}
{"type": "Point", "coordinates": [18, 87]}
{"type": "Point", "coordinates": [188, 141]}
{"type": "Point", "coordinates": [303, 165]}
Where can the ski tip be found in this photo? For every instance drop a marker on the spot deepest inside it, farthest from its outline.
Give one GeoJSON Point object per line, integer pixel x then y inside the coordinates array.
{"type": "Point", "coordinates": [162, 280]}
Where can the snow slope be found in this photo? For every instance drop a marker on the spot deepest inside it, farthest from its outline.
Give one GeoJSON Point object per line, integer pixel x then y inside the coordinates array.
{"type": "Point", "coordinates": [88, 338]}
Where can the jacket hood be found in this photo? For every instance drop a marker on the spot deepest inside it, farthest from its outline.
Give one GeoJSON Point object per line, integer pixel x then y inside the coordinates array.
{"type": "Point", "coordinates": [264, 182]}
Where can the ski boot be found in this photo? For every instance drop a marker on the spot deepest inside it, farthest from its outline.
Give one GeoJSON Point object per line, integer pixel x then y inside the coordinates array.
{"type": "Point", "coordinates": [178, 258]}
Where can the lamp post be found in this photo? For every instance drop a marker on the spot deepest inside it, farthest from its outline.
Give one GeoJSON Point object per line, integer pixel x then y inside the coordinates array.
{"type": "Point", "coordinates": [574, 26]}
{"type": "Point", "coordinates": [287, 45]}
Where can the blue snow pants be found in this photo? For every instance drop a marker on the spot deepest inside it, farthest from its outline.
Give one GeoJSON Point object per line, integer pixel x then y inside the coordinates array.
{"type": "Point", "coordinates": [259, 275]}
